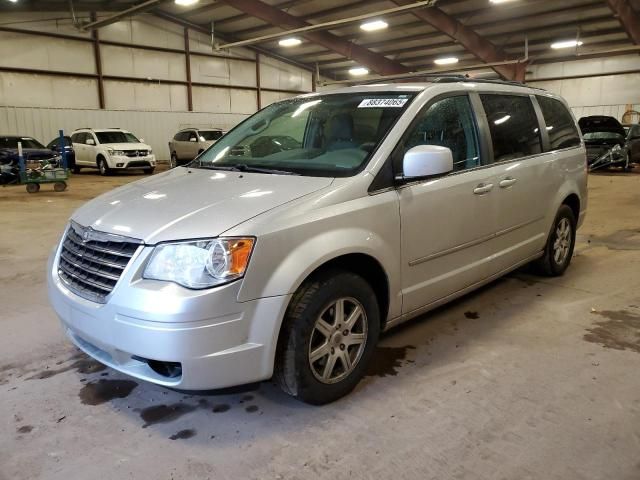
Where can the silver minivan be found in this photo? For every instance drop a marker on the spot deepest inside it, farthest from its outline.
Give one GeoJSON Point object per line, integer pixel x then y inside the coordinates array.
{"type": "Point", "coordinates": [288, 246]}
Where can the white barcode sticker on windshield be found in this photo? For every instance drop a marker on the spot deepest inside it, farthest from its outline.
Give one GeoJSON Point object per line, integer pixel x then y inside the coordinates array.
{"type": "Point", "coordinates": [382, 103]}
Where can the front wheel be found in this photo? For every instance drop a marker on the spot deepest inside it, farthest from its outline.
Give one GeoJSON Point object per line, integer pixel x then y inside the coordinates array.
{"type": "Point", "coordinates": [149, 171]}
{"type": "Point", "coordinates": [173, 161]}
{"type": "Point", "coordinates": [103, 167]}
{"type": "Point", "coordinates": [328, 337]}
{"type": "Point", "coordinates": [560, 244]}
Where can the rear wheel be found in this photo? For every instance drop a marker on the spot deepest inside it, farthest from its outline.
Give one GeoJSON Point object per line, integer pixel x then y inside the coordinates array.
{"type": "Point", "coordinates": [103, 167]}
{"type": "Point", "coordinates": [560, 244]}
{"type": "Point", "coordinates": [60, 186]}
{"type": "Point", "coordinates": [328, 337]}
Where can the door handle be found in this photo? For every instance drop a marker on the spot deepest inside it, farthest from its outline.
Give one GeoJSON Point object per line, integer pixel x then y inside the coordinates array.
{"type": "Point", "coordinates": [508, 182]}
{"type": "Point", "coordinates": [483, 188]}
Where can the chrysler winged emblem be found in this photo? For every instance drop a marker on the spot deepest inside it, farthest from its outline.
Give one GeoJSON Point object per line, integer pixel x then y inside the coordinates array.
{"type": "Point", "coordinates": [86, 235]}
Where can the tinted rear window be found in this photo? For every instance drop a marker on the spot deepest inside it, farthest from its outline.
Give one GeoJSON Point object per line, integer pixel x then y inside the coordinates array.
{"type": "Point", "coordinates": [560, 126]}
{"type": "Point", "coordinates": [513, 125]}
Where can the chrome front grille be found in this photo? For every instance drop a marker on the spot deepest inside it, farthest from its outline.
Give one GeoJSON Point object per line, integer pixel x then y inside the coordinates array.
{"type": "Point", "coordinates": [91, 262]}
{"type": "Point", "coordinates": [137, 153]}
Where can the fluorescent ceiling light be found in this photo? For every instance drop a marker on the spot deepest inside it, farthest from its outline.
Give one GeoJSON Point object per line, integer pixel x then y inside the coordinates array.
{"type": "Point", "coordinates": [358, 71]}
{"type": "Point", "coordinates": [374, 25]}
{"type": "Point", "coordinates": [566, 44]}
{"type": "Point", "coordinates": [499, 1]}
{"type": "Point", "coordinates": [500, 121]}
{"type": "Point", "coordinates": [446, 61]}
{"type": "Point", "coordinates": [186, 3]}
{"type": "Point", "coordinates": [290, 42]}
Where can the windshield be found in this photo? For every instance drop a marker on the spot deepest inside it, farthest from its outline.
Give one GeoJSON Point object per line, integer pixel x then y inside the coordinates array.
{"type": "Point", "coordinates": [327, 136]}
{"type": "Point", "coordinates": [116, 137]}
{"type": "Point", "coordinates": [209, 135]}
{"type": "Point", "coordinates": [592, 136]}
{"type": "Point", "coordinates": [12, 142]}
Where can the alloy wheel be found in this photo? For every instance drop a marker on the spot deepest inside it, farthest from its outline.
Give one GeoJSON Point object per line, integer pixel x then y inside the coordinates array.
{"type": "Point", "coordinates": [338, 340]}
{"type": "Point", "coordinates": [562, 243]}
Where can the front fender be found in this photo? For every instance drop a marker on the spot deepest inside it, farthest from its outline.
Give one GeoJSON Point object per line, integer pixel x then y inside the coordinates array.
{"type": "Point", "coordinates": [286, 256]}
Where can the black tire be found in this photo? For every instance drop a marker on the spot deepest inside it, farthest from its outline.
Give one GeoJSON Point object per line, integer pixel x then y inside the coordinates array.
{"type": "Point", "coordinates": [293, 370]}
{"type": "Point", "coordinates": [149, 171]}
{"type": "Point", "coordinates": [60, 186]}
{"type": "Point", "coordinates": [173, 162]}
{"type": "Point", "coordinates": [33, 187]}
{"type": "Point", "coordinates": [548, 265]}
{"type": "Point", "coordinates": [103, 167]}
{"type": "Point", "coordinates": [76, 169]}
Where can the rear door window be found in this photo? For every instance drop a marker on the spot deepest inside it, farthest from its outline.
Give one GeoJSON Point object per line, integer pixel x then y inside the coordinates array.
{"type": "Point", "coordinates": [560, 125]}
{"type": "Point", "coordinates": [513, 125]}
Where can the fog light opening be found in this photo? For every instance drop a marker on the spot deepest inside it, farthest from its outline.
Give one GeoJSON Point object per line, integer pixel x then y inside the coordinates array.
{"type": "Point", "coordinates": [119, 164]}
{"type": "Point", "coordinates": [164, 369]}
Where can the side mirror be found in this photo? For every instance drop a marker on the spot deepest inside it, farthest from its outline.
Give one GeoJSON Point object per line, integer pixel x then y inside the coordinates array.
{"type": "Point", "coordinates": [427, 161]}
{"type": "Point", "coordinates": [90, 141]}
{"type": "Point", "coordinates": [141, 140]}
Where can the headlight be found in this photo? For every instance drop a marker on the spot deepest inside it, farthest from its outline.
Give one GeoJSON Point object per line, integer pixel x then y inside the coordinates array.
{"type": "Point", "coordinates": [202, 263]}
{"type": "Point", "coordinates": [117, 153]}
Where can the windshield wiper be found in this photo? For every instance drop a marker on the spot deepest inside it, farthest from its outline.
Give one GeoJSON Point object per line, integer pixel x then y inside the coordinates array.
{"type": "Point", "coordinates": [241, 167]}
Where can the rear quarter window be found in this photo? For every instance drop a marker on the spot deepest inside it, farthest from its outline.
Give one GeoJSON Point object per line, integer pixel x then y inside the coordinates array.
{"type": "Point", "coordinates": [559, 123]}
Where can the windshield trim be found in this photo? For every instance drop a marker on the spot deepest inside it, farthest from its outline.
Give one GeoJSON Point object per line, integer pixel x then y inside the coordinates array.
{"type": "Point", "coordinates": [412, 96]}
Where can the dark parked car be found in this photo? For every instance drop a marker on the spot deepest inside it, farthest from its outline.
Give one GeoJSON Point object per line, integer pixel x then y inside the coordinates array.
{"type": "Point", "coordinates": [32, 150]}
{"type": "Point", "coordinates": [68, 148]}
{"type": "Point", "coordinates": [605, 140]}
{"type": "Point", "coordinates": [633, 141]}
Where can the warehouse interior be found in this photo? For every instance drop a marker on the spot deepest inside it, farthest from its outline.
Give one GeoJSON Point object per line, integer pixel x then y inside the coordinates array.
{"type": "Point", "coordinates": [526, 377]}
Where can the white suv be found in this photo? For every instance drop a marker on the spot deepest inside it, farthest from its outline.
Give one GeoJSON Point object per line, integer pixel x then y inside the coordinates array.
{"type": "Point", "coordinates": [289, 245]}
{"type": "Point", "coordinates": [111, 149]}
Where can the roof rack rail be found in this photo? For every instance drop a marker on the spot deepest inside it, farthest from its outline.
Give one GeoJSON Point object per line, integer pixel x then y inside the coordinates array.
{"type": "Point", "coordinates": [447, 78]}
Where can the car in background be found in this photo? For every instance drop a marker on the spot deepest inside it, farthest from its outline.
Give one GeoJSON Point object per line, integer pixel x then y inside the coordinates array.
{"type": "Point", "coordinates": [188, 143]}
{"type": "Point", "coordinates": [605, 139]}
{"type": "Point", "coordinates": [32, 151]}
{"type": "Point", "coordinates": [633, 141]}
{"type": "Point", "coordinates": [110, 150]}
{"type": "Point", "coordinates": [68, 149]}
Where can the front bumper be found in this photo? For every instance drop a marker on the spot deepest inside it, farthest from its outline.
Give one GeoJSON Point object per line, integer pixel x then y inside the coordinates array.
{"type": "Point", "coordinates": [124, 162]}
{"type": "Point", "coordinates": [218, 341]}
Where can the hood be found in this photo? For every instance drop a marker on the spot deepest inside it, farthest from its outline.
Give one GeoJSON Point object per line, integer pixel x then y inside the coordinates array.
{"type": "Point", "coordinates": [28, 153]}
{"type": "Point", "coordinates": [127, 146]}
{"type": "Point", "coordinates": [191, 203]}
{"type": "Point", "coordinates": [600, 123]}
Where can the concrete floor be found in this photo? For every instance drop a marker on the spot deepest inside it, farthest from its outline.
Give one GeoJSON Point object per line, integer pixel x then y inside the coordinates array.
{"type": "Point", "coordinates": [527, 378]}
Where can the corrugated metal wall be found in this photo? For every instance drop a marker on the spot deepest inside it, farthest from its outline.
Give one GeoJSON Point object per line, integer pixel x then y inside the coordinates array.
{"type": "Point", "coordinates": [152, 107]}
{"type": "Point", "coordinates": [602, 92]}
{"type": "Point", "coordinates": [157, 128]}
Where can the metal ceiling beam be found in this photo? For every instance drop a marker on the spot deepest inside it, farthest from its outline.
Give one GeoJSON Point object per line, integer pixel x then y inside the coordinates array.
{"type": "Point", "coordinates": [116, 17]}
{"type": "Point", "coordinates": [629, 18]}
{"type": "Point", "coordinates": [374, 61]}
{"type": "Point", "coordinates": [508, 43]}
{"type": "Point", "coordinates": [474, 43]}
{"type": "Point", "coordinates": [199, 28]}
{"type": "Point", "coordinates": [332, 24]}
{"type": "Point", "coordinates": [242, 16]}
